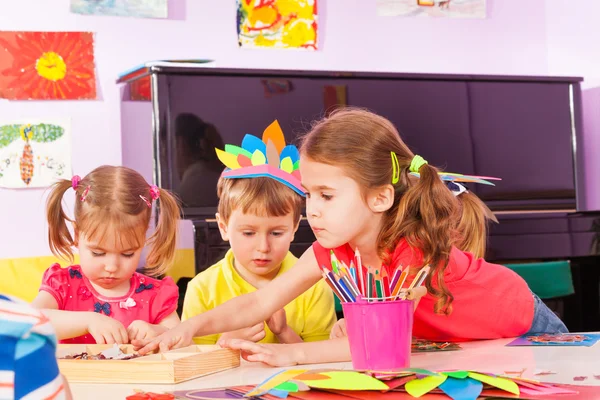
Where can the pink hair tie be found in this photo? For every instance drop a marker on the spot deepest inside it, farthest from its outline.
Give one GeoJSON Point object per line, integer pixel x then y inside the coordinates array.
{"type": "Point", "coordinates": [154, 192]}
{"type": "Point", "coordinates": [75, 181]}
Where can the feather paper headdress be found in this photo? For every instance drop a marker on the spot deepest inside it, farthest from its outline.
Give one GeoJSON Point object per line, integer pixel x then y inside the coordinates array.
{"type": "Point", "coordinates": [269, 157]}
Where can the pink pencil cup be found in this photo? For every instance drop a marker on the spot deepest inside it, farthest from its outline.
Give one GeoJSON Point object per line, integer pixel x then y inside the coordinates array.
{"type": "Point", "coordinates": [380, 334]}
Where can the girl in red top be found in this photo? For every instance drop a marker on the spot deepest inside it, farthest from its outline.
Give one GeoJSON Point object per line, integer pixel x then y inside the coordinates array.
{"type": "Point", "coordinates": [104, 299]}
{"type": "Point", "coordinates": [357, 196]}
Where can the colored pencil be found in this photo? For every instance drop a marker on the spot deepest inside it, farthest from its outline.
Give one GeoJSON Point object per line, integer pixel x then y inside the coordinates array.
{"type": "Point", "coordinates": [399, 283]}
{"type": "Point", "coordinates": [385, 282]}
{"type": "Point", "coordinates": [332, 284]}
{"type": "Point", "coordinates": [334, 263]}
{"type": "Point", "coordinates": [369, 284]}
{"type": "Point", "coordinates": [395, 277]}
{"type": "Point", "coordinates": [347, 291]}
{"type": "Point", "coordinates": [359, 270]}
{"type": "Point", "coordinates": [378, 285]}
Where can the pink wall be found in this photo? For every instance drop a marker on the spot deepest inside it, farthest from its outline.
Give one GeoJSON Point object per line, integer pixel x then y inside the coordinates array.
{"type": "Point", "coordinates": [512, 40]}
{"type": "Point", "coordinates": [572, 40]}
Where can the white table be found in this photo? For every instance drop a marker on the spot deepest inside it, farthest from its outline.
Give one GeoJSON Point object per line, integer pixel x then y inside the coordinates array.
{"type": "Point", "coordinates": [489, 356]}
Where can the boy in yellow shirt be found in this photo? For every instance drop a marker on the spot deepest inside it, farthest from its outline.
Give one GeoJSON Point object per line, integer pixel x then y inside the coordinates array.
{"type": "Point", "coordinates": [259, 210]}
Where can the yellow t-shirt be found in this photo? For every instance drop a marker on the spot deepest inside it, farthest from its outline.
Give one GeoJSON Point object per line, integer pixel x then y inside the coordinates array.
{"type": "Point", "coordinates": [311, 315]}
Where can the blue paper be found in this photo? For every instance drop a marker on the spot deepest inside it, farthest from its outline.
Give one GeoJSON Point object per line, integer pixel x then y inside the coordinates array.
{"type": "Point", "coordinates": [290, 151]}
{"type": "Point", "coordinates": [558, 339]}
{"type": "Point", "coordinates": [252, 143]}
{"type": "Point", "coordinates": [282, 394]}
{"type": "Point", "coordinates": [462, 389]}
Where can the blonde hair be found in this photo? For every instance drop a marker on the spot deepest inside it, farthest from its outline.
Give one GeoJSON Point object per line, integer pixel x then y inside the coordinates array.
{"type": "Point", "coordinates": [113, 200]}
{"type": "Point", "coordinates": [424, 212]}
{"type": "Point", "coordinates": [260, 196]}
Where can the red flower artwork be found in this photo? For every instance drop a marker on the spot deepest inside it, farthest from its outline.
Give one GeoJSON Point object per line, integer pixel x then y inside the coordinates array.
{"type": "Point", "coordinates": [47, 65]}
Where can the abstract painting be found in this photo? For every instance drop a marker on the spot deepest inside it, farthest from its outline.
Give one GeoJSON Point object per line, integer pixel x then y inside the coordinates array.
{"type": "Point", "coordinates": [123, 8]}
{"type": "Point", "coordinates": [282, 24]}
{"type": "Point", "coordinates": [432, 8]}
{"type": "Point", "coordinates": [34, 152]}
{"type": "Point", "coordinates": [47, 66]}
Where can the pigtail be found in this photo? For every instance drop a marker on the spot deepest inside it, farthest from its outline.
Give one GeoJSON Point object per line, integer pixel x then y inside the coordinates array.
{"type": "Point", "coordinates": [59, 237]}
{"type": "Point", "coordinates": [163, 241]}
{"type": "Point", "coordinates": [473, 224]}
{"type": "Point", "coordinates": [426, 218]}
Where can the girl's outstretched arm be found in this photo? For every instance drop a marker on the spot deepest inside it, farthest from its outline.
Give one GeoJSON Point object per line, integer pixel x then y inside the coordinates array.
{"type": "Point", "coordinates": [70, 324]}
{"type": "Point", "coordinates": [283, 355]}
{"type": "Point", "coordinates": [242, 311]}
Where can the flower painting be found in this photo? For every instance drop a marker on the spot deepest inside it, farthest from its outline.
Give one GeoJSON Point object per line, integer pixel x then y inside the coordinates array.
{"type": "Point", "coordinates": [123, 8]}
{"type": "Point", "coordinates": [34, 153]}
{"type": "Point", "coordinates": [277, 23]}
{"type": "Point", "coordinates": [47, 66]}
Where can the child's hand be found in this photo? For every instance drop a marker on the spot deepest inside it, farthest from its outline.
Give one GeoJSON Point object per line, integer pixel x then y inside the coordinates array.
{"type": "Point", "coordinates": [254, 333]}
{"type": "Point", "coordinates": [338, 330]}
{"type": "Point", "coordinates": [276, 355]}
{"type": "Point", "coordinates": [180, 336]}
{"type": "Point", "coordinates": [278, 322]}
{"type": "Point", "coordinates": [139, 330]}
{"type": "Point", "coordinates": [106, 330]}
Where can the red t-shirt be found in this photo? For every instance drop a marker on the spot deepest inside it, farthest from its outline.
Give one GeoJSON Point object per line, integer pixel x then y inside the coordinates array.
{"type": "Point", "coordinates": [490, 300]}
{"type": "Point", "coordinates": [149, 299]}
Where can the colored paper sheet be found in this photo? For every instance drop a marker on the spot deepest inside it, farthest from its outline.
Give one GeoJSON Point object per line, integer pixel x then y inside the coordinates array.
{"type": "Point", "coordinates": [500, 383]}
{"type": "Point", "coordinates": [562, 339]}
{"type": "Point", "coordinates": [419, 387]}
{"type": "Point", "coordinates": [462, 388]}
{"type": "Point", "coordinates": [345, 380]}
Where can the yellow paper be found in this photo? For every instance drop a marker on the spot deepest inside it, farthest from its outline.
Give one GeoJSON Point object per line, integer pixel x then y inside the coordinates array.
{"type": "Point", "coordinates": [230, 160]}
{"type": "Point", "coordinates": [287, 165]}
{"type": "Point", "coordinates": [500, 383]}
{"type": "Point", "coordinates": [275, 381]}
{"type": "Point", "coordinates": [419, 387]}
{"type": "Point", "coordinates": [258, 158]}
{"type": "Point", "coordinates": [346, 380]}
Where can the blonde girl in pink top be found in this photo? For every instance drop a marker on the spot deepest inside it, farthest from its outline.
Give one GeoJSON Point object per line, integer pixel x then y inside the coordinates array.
{"type": "Point", "coordinates": [104, 299]}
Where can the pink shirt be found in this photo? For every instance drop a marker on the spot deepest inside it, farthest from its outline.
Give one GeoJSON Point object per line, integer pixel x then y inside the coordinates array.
{"type": "Point", "coordinates": [490, 300]}
{"type": "Point", "coordinates": [149, 299]}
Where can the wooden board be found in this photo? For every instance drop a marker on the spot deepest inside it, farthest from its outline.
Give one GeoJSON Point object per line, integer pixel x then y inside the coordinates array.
{"type": "Point", "coordinates": [171, 367]}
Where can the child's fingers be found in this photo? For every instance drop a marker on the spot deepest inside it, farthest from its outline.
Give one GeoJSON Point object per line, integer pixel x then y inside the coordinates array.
{"type": "Point", "coordinates": [121, 335]}
{"type": "Point", "coordinates": [257, 337]}
{"type": "Point", "coordinates": [132, 332]}
{"type": "Point", "coordinates": [147, 346]}
{"type": "Point", "coordinates": [243, 345]}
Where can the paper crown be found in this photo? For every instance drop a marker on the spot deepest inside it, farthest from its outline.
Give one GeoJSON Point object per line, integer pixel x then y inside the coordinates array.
{"type": "Point", "coordinates": [269, 157]}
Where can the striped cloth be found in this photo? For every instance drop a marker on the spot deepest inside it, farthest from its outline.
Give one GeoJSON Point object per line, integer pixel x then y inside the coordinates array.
{"type": "Point", "coordinates": [28, 368]}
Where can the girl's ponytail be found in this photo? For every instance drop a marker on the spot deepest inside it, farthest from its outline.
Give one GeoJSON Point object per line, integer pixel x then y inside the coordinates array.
{"type": "Point", "coordinates": [60, 239]}
{"type": "Point", "coordinates": [163, 241]}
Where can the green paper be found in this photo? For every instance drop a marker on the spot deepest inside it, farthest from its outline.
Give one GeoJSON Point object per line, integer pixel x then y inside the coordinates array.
{"type": "Point", "coordinates": [457, 374]}
{"type": "Point", "coordinates": [419, 387]}
{"type": "Point", "coordinates": [500, 383]}
{"type": "Point", "coordinates": [230, 148]}
{"type": "Point", "coordinates": [288, 387]}
{"type": "Point", "coordinates": [419, 371]}
{"type": "Point", "coordinates": [258, 158]}
{"type": "Point", "coordinates": [346, 380]}
{"type": "Point", "coordinates": [297, 165]}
